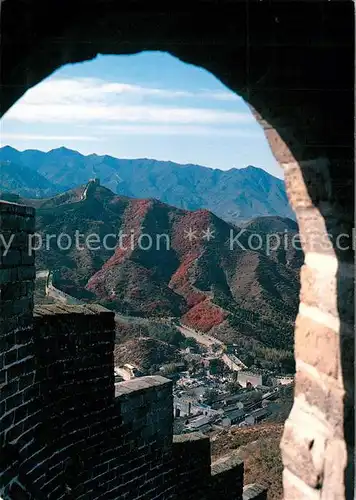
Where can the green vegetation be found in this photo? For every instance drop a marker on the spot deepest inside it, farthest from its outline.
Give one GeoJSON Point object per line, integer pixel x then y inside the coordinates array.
{"type": "Point", "coordinates": [217, 366]}
{"type": "Point", "coordinates": [210, 396]}
{"type": "Point", "coordinates": [190, 342]}
{"type": "Point", "coordinates": [166, 333]}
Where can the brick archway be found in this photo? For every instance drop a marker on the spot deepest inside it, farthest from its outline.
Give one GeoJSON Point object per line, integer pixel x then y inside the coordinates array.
{"type": "Point", "coordinates": [293, 63]}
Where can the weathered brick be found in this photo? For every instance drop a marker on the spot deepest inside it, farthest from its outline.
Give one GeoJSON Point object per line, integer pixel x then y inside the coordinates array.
{"type": "Point", "coordinates": [7, 340]}
{"type": "Point", "coordinates": [26, 381]}
{"type": "Point", "coordinates": [317, 345]}
{"type": "Point", "coordinates": [12, 323]}
{"type": "Point", "coordinates": [31, 392]}
{"type": "Point", "coordinates": [322, 232]}
{"type": "Point", "coordinates": [295, 489]}
{"type": "Point", "coordinates": [11, 356]}
{"type": "Point", "coordinates": [10, 291]}
{"type": "Point", "coordinates": [21, 413]}
{"type": "Point", "coordinates": [280, 149]}
{"type": "Point", "coordinates": [9, 389]}
{"type": "Point", "coordinates": [335, 466]}
{"type": "Point", "coordinates": [324, 394]}
{"type": "Point", "coordinates": [27, 259]}
{"type": "Point", "coordinates": [330, 293]}
{"type": "Point", "coordinates": [8, 275]}
{"type": "Point", "coordinates": [303, 450]}
{"type": "Point", "coordinates": [12, 308]}
{"type": "Point", "coordinates": [16, 208]}
{"type": "Point", "coordinates": [16, 370]}
{"type": "Point", "coordinates": [14, 401]}
{"type": "Point", "coordinates": [24, 335]}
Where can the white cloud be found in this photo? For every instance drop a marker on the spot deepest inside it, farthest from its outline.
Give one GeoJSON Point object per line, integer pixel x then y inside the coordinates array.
{"type": "Point", "coordinates": [190, 130]}
{"type": "Point", "coordinates": [80, 90]}
{"type": "Point", "coordinates": [88, 99]}
{"type": "Point", "coordinates": [57, 113]}
{"type": "Point", "coordinates": [89, 90]}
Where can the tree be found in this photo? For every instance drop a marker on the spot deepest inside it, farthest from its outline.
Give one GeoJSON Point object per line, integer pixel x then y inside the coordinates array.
{"type": "Point", "coordinates": [166, 333]}
{"type": "Point", "coordinates": [190, 342]}
{"type": "Point", "coordinates": [216, 366]}
{"type": "Point", "coordinates": [210, 396]}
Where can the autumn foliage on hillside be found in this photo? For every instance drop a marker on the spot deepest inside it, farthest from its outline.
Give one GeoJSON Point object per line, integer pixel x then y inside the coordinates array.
{"type": "Point", "coordinates": [204, 316]}
{"type": "Point", "coordinates": [189, 271]}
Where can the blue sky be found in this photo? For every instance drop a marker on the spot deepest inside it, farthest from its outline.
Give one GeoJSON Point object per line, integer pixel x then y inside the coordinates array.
{"type": "Point", "coordinates": [148, 105]}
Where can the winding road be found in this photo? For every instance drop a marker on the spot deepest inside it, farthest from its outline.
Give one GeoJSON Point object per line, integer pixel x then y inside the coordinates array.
{"type": "Point", "coordinates": [202, 338]}
{"type": "Point", "coordinates": [230, 360]}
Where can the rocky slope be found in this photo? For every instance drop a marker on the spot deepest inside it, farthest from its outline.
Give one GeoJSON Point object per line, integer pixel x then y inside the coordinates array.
{"type": "Point", "coordinates": [258, 447]}
{"type": "Point", "coordinates": [146, 343]}
{"type": "Point", "coordinates": [195, 269]}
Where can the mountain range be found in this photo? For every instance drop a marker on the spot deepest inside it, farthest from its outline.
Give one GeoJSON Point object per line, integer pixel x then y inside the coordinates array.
{"type": "Point", "coordinates": [234, 195]}
{"type": "Point", "coordinates": [198, 273]}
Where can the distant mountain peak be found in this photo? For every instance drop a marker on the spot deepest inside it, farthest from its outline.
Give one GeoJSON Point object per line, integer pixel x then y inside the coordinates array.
{"type": "Point", "coordinates": [253, 168]}
{"type": "Point", "coordinates": [234, 195]}
{"type": "Point", "coordinates": [64, 150]}
{"type": "Point", "coordinates": [8, 148]}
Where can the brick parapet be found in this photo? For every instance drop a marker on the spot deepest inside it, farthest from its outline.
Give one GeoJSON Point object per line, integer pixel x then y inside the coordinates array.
{"type": "Point", "coordinates": [227, 477]}
{"type": "Point", "coordinates": [254, 492]}
{"type": "Point", "coordinates": [192, 463]}
{"type": "Point", "coordinates": [17, 360]}
{"type": "Point", "coordinates": [146, 407]}
{"type": "Point", "coordinates": [197, 477]}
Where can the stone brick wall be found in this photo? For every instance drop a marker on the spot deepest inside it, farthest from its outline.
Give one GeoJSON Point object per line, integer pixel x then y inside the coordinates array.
{"type": "Point", "coordinates": [227, 478]}
{"type": "Point", "coordinates": [192, 458]}
{"type": "Point", "coordinates": [68, 399]}
{"type": "Point", "coordinates": [144, 460]}
{"type": "Point", "coordinates": [17, 360]}
{"type": "Point", "coordinates": [74, 354]}
{"type": "Point", "coordinates": [318, 441]}
{"type": "Point", "coordinates": [197, 477]}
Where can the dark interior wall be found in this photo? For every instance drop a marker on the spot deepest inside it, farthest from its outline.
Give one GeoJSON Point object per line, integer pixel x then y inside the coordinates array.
{"type": "Point", "coordinates": [294, 64]}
